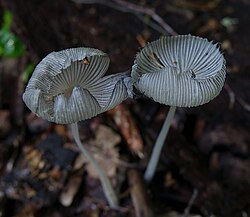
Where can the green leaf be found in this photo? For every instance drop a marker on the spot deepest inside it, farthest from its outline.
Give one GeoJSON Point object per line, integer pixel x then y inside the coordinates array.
{"type": "Point", "coordinates": [10, 45]}
{"type": "Point", "coordinates": [7, 20]}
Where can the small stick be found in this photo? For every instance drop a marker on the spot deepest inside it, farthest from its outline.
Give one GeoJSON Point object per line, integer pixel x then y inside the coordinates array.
{"type": "Point", "coordinates": [148, 11]}
{"type": "Point", "coordinates": [139, 195]}
{"type": "Point", "coordinates": [232, 98]}
{"type": "Point", "coordinates": [243, 104]}
{"type": "Point", "coordinates": [125, 6]}
{"type": "Point", "coordinates": [231, 95]}
{"type": "Point", "coordinates": [190, 203]}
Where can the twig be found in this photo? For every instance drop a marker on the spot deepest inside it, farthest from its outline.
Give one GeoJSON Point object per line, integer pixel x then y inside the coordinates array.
{"type": "Point", "coordinates": [148, 11]}
{"type": "Point", "coordinates": [231, 95]}
{"type": "Point", "coordinates": [139, 194]}
{"type": "Point", "coordinates": [243, 104]}
{"type": "Point", "coordinates": [190, 203]}
{"type": "Point", "coordinates": [232, 98]}
{"type": "Point", "coordinates": [125, 6]}
{"type": "Point", "coordinates": [152, 24]}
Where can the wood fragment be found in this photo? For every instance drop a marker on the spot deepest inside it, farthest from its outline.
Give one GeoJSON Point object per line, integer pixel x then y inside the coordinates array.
{"type": "Point", "coordinates": [72, 187]}
{"type": "Point", "coordinates": [141, 40]}
{"type": "Point", "coordinates": [129, 130]}
{"type": "Point", "coordinates": [139, 194]}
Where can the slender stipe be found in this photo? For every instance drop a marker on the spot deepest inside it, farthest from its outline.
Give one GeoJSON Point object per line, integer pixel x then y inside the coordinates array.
{"type": "Point", "coordinates": [107, 187]}
{"type": "Point", "coordinates": [154, 159]}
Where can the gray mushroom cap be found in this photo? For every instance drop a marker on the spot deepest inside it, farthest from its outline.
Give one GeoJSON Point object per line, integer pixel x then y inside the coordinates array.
{"type": "Point", "coordinates": [182, 71]}
{"type": "Point", "coordinates": [68, 86]}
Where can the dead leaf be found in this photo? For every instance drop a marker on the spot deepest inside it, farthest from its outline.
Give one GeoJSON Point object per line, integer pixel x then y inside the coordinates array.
{"type": "Point", "coordinates": [104, 150]}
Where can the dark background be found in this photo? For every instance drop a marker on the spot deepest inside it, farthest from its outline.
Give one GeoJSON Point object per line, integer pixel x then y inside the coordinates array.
{"type": "Point", "coordinates": [207, 150]}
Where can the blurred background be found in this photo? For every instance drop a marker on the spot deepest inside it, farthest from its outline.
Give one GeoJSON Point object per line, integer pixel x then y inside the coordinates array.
{"type": "Point", "coordinates": [205, 165]}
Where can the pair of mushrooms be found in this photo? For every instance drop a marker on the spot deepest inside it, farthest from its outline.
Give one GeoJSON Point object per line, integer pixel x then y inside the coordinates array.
{"type": "Point", "coordinates": [69, 86]}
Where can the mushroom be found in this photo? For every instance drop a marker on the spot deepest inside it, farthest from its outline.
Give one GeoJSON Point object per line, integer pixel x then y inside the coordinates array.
{"type": "Point", "coordinates": [179, 71]}
{"type": "Point", "coordinates": [68, 86]}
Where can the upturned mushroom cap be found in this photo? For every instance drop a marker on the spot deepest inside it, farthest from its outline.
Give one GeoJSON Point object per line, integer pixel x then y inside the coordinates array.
{"type": "Point", "coordinates": [182, 71]}
{"type": "Point", "coordinates": [68, 86]}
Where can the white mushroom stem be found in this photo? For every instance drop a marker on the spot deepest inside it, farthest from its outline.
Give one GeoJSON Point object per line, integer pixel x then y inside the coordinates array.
{"type": "Point", "coordinates": [106, 184]}
{"type": "Point", "coordinates": [151, 168]}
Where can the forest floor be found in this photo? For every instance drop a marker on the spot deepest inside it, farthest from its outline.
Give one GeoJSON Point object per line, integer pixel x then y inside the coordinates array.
{"type": "Point", "coordinates": [204, 169]}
